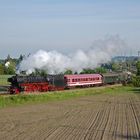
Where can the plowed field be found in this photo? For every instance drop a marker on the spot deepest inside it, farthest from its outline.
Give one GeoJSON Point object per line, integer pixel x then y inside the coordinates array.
{"type": "Point", "coordinates": [98, 117]}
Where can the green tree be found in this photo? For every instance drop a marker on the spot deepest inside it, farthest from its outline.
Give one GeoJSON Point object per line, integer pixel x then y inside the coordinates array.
{"type": "Point", "coordinates": [87, 71]}
{"type": "Point", "coordinates": [8, 58]}
{"type": "Point", "coordinates": [1, 69]}
{"type": "Point", "coordinates": [138, 68]}
{"type": "Point", "coordinates": [68, 72]}
{"type": "Point", "coordinates": [136, 79]}
{"type": "Point", "coordinates": [100, 70]}
{"type": "Point", "coordinates": [115, 66]}
{"type": "Point", "coordinates": [43, 72]}
{"type": "Point", "coordinates": [11, 68]}
{"type": "Point", "coordinates": [21, 57]}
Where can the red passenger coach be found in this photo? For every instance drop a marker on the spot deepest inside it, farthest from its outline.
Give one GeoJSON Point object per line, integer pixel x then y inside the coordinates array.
{"type": "Point", "coordinates": [83, 80]}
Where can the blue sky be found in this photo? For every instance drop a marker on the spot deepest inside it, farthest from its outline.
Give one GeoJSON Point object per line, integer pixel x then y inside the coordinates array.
{"type": "Point", "coordinates": [65, 25]}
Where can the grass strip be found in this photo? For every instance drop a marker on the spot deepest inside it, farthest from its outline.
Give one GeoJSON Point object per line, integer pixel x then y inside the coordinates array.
{"type": "Point", "coordinates": [20, 99]}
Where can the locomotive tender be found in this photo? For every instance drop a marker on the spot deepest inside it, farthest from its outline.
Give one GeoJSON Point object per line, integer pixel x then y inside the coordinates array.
{"type": "Point", "coordinates": [59, 82]}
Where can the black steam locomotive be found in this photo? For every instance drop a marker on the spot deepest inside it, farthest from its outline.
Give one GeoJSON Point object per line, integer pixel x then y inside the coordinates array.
{"type": "Point", "coordinates": [36, 83]}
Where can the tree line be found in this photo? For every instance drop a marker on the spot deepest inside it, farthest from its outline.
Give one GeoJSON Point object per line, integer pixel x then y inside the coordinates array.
{"type": "Point", "coordinates": [8, 65]}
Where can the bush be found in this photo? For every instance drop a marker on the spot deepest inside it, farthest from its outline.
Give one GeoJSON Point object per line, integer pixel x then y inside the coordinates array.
{"type": "Point", "coordinates": [136, 81]}
{"type": "Point", "coordinates": [1, 69]}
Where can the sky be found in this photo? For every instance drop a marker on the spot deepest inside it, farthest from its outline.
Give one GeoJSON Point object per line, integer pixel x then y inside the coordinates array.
{"type": "Point", "coordinates": [27, 26]}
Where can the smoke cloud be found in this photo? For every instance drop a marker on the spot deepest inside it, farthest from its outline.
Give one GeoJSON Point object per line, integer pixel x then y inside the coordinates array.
{"type": "Point", "coordinates": [55, 62]}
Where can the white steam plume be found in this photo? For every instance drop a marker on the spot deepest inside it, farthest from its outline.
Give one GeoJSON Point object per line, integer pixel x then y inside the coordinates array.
{"type": "Point", "coordinates": [54, 62]}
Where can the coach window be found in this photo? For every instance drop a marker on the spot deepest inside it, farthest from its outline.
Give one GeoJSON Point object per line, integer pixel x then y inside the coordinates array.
{"type": "Point", "coordinates": [97, 78]}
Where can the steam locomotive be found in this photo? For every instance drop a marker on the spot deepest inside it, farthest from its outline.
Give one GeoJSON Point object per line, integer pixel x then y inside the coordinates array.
{"type": "Point", "coordinates": [61, 82]}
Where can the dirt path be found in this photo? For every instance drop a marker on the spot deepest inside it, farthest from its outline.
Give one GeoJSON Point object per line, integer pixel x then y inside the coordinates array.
{"type": "Point", "coordinates": [98, 117]}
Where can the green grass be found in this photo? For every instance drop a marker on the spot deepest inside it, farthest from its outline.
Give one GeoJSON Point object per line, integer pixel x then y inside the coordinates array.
{"type": "Point", "coordinates": [6, 101]}
{"type": "Point", "coordinates": [3, 79]}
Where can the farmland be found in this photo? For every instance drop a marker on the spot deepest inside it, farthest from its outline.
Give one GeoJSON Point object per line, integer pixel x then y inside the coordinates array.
{"type": "Point", "coordinates": [100, 114]}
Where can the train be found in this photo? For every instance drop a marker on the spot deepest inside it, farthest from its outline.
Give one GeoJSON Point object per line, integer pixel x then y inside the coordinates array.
{"type": "Point", "coordinates": [21, 84]}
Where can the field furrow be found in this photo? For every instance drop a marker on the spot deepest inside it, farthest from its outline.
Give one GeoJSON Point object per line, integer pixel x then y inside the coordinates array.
{"type": "Point", "coordinates": [99, 117]}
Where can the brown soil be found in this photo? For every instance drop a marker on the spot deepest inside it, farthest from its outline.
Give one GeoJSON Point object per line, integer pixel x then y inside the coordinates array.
{"type": "Point", "coordinates": [98, 117]}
